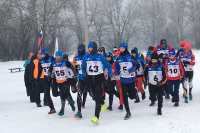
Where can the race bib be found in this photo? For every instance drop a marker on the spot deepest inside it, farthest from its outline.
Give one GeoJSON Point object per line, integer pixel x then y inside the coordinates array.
{"type": "Point", "coordinates": [45, 67]}
{"type": "Point", "coordinates": [79, 64]}
{"type": "Point", "coordinates": [94, 67]}
{"type": "Point", "coordinates": [60, 73]}
{"type": "Point", "coordinates": [173, 71]}
{"type": "Point", "coordinates": [124, 67]}
{"type": "Point", "coordinates": [155, 77]}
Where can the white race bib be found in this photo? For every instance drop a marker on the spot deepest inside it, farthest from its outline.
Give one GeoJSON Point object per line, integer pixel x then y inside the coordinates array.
{"type": "Point", "coordinates": [94, 67]}
{"type": "Point", "coordinates": [45, 67]}
{"type": "Point", "coordinates": [124, 67]}
{"type": "Point", "coordinates": [155, 77]}
{"type": "Point", "coordinates": [60, 73]}
{"type": "Point", "coordinates": [173, 71]}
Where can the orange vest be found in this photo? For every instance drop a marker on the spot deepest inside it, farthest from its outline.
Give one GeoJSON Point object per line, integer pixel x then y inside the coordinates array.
{"type": "Point", "coordinates": [35, 71]}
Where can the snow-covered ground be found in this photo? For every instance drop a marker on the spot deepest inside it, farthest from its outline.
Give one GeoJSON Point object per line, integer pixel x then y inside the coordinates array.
{"type": "Point", "coordinates": [17, 115]}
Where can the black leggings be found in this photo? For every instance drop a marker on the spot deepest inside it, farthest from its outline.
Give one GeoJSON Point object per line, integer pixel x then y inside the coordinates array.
{"type": "Point", "coordinates": [95, 85]}
{"type": "Point", "coordinates": [110, 89]}
{"type": "Point", "coordinates": [35, 92]}
{"type": "Point", "coordinates": [129, 91]}
{"type": "Point", "coordinates": [64, 91]}
{"type": "Point", "coordinates": [82, 91]}
{"type": "Point", "coordinates": [45, 83]}
{"type": "Point", "coordinates": [156, 93]}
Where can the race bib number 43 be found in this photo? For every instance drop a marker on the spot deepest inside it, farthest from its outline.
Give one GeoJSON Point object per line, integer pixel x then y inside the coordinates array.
{"type": "Point", "coordinates": [94, 67]}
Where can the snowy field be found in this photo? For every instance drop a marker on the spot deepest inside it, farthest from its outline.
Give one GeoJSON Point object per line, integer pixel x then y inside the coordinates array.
{"type": "Point", "coordinates": [17, 115]}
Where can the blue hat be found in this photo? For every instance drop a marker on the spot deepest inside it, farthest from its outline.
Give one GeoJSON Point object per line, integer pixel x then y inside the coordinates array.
{"type": "Point", "coordinates": [124, 45]}
{"type": "Point", "coordinates": [45, 51]}
{"type": "Point", "coordinates": [81, 49]}
{"type": "Point", "coordinates": [91, 44]}
{"type": "Point", "coordinates": [59, 53]}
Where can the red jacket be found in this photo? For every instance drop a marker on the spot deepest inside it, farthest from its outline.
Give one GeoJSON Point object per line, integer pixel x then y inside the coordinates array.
{"type": "Point", "coordinates": [175, 70]}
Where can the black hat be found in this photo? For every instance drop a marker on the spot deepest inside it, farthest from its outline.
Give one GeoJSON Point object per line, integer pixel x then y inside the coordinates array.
{"type": "Point", "coordinates": [81, 49]}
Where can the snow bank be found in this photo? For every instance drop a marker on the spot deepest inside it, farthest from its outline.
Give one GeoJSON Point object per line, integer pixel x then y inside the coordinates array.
{"type": "Point", "coordinates": [17, 115]}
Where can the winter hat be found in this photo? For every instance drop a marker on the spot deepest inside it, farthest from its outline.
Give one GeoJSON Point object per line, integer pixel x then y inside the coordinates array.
{"type": "Point", "coordinates": [93, 45]}
{"type": "Point", "coordinates": [81, 49]}
{"type": "Point", "coordinates": [124, 45]}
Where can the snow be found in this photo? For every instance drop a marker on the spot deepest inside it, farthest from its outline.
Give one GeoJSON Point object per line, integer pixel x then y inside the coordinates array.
{"type": "Point", "coordinates": [17, 115]}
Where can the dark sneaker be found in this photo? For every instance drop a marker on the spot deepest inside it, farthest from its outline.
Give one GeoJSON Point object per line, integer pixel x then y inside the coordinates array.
{"type": "Point", "coordinates": [127, 116]}
{"type": "Point", "coordinates": [61, 113]}
{"type": "Point", "coordinates": [109, 108]}
{"type": "Point", "coordinates": [173, 100]}
{"type": "Point", "coordinates": [52, 111]}
{"type": "Point", "coordinates": [39, 105]}
{"type": "Point", "coordinates": [152, 104]}
{"type": "Point", "coordinates": [167, 97]}
{"type": "Point", "coordinates": [143, 96]}
{"type": "Point", "coordinates": [159, 111]}
{"type": "Point", "coordinates": [78, 115]}
{"type": "Point", "coordinates": [186, 99]}
{"type": "Point", "coordinates": [137, 100]}
{"type": "Point", "coordinates": [176, 104]}
{"type": "Point", "coordinates": [190, 97]}
{"type": "Point", "coordinates": [120, 107]}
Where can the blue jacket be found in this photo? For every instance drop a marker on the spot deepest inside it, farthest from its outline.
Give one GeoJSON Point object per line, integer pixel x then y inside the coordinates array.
{"type": "Point", "coordinates": [79, 66]}
{"type": "Point", "coordinates": [94, 64]}
{"type": "Point", "coordinates": [126, 68]}
{"type": "Point", "coordinates": [141, 64]}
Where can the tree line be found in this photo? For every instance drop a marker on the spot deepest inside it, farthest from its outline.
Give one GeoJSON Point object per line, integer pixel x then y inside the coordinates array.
{"type": "Point", "coordinates": [139, 22]}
